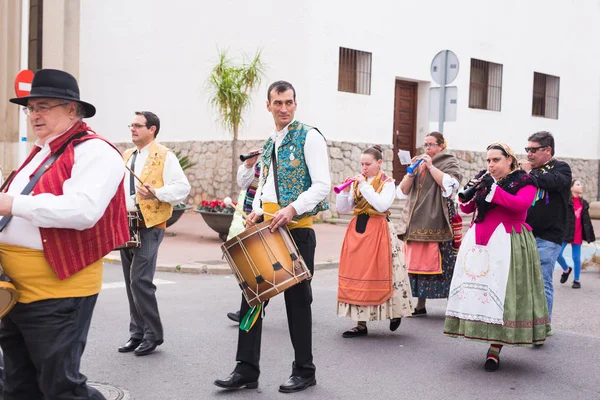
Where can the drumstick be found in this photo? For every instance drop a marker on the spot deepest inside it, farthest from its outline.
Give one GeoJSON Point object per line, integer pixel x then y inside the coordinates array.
{"type": "Point", "coordinates": [228, 202]}
{"type": "Point", "coordinates": [261, 212]}
{"type": "Point", "coordinates": [8, 179]}
{"type": "Point", "coordinates": [141, 181]}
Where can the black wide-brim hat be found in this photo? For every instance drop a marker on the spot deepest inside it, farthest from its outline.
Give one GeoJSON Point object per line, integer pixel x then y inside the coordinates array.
{"type": "Point", "coordinates": [55, 84]}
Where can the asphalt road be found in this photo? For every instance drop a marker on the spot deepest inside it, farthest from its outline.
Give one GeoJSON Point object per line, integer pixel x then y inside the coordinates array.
{"type": "Point", "coordinates": [415, 362]}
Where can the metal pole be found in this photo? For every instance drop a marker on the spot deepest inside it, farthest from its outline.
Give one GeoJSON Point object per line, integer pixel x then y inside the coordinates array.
{"type": "Point", "coordinates": [24, 65]}
{"type": "Point", "coordinates": [443, 92]}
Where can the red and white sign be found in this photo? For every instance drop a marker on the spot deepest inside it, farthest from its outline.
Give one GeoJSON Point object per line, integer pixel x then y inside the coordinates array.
{"type": "Point", "coordinates": [23, 83]}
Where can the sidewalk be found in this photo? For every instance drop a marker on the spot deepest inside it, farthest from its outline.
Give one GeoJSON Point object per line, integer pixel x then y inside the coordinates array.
{"type": "Point", "coordinates": [190, 246]}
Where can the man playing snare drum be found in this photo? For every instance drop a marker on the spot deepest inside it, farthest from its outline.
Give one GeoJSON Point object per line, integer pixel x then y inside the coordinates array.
{"type": "Point", "coordinates": [301, 158]}
{"type": "Point", "coordinates": [53, 244]}
{"type": "Point", "coordinates": [164, 185]}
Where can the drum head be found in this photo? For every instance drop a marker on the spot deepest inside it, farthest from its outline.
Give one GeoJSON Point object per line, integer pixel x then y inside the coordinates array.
{"type": "Point", "coordinates": [8, 297]}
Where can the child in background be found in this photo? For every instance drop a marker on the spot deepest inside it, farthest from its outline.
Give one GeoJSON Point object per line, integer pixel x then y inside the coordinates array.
{"type": "Point", "coordinates": [579, 228]}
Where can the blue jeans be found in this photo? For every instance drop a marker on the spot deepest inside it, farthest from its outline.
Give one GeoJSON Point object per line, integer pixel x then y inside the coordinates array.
{"type": "Point", "coordinates": [549, 252]}
{"type": "Point", "coordinates": [576, 255]}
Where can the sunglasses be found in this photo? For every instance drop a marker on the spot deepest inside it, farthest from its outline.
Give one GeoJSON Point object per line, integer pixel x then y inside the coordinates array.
{"type": "Point", "coordinates": [534, 150]}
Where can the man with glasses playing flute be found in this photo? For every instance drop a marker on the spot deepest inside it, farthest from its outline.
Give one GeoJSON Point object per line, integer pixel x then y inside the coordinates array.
{"type": "Point", "coordinates": [154, 182]}
{"type": "Point", "coordinates": [548, 215]}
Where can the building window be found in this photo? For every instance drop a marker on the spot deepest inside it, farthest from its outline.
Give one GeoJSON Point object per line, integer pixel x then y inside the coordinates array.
{"type": "Point", "coordinates": [545, 95]}
{"type": "Point", "coordinates": [485, 90]}
{"type": "Point", "coordinates": [355, 71]}
{"type": "Point", "coordinates": [36, 8]}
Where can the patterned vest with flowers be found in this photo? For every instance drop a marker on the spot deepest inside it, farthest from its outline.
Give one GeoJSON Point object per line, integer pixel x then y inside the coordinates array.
{"type": "Point", "coordinates": [154, 212]}
{"type": "Point", "coordinates": [293, 177]}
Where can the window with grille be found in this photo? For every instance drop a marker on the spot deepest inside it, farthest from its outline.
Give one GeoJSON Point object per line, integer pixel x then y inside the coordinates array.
{"type": "Point", "coordinates": [355, 71]}
{"type": "Point", "coordinates": [485, 89]}
{"type": "Point", "coordinates": [545, 95]}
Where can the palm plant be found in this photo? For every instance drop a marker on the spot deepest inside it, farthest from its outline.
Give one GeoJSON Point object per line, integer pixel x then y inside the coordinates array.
{"type": "Point", "coordinates": [230, 88]}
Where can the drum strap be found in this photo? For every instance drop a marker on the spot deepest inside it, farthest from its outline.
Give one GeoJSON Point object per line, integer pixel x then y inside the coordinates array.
{"type": "Point", "coordinates": [40, 171]}
{"type": "Point", "coordinates": [274, 158]}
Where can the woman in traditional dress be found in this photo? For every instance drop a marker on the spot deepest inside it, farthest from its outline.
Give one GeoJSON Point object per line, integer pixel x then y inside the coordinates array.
{"type": "Point", "coordinates": [497, 292]}
{"type": "Point", "coordinates": [373, 281]}
{"type": "Point", "coordinates": [429, 235]}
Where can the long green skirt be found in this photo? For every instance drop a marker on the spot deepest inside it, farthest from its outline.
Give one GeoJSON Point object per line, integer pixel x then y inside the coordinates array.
{"type": "Point", "coordinates": [526, 320]}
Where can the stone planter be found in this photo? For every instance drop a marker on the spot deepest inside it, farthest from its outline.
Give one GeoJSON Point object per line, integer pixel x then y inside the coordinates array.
{"type": "Point", "coordinates": [177, 213]}
{"type": "Point", "coordinates": [218, 222]}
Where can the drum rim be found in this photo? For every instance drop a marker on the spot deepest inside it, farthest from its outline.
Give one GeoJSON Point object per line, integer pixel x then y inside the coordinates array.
{"type": "Point", "coordinates": [246, 233]}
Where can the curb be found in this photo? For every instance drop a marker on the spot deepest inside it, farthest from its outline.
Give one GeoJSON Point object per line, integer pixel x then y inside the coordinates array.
{"type": "Point", "coordinates": [213, 269]}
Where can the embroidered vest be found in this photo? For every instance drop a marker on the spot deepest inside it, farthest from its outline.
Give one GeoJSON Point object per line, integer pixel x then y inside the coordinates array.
{"type": "Point", "coordinates": [293, 177]}
{"type": "Point", "coordinates": [68, 251]}
{"type": "Point", "coordinates": [362, 206]}
{"type": "Point", "coordinates": [154, 212]}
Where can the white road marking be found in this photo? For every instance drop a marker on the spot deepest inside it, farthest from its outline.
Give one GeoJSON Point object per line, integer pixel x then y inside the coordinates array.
{"type": "Point", "coordinates": [114, 285]}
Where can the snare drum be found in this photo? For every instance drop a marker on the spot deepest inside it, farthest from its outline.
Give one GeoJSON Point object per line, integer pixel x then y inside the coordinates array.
{"type": "Point", "coordinates": [264, 263]}
{"type": "Point", "coordinates": [8, 294]}
{"type": "Point", "coordinates": [134, 232]}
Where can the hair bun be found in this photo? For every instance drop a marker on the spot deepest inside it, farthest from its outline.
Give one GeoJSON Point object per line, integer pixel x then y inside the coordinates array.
{"type": "Point", "coordinates": [378, 148]}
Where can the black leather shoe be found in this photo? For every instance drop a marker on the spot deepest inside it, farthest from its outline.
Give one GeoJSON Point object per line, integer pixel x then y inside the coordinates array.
{"type": "Point", "coordinates": [297, 384]}
{"type": "Point", "coordinates": [234, 316]}
{"type": "Point", "coordinates": [236, 381]}
{"type": "Point", "coordinates": [131, 345]}
{"type": "Point", "coordinates": [395, 323]}
{"type": "Point", "coordinates": [147, 346]}
{"type": "Point", "coordinates": [565, 275]}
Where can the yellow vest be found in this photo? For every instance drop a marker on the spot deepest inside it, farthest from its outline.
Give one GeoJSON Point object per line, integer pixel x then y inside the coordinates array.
{"type": "Point", "coordinates": [154, 212]}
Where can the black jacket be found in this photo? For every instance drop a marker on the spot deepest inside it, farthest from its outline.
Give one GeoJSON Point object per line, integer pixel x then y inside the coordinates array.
{"type": "Point", "coordinates": [547, 217]}
{"type": "Point", "coordinates": [587, 229]}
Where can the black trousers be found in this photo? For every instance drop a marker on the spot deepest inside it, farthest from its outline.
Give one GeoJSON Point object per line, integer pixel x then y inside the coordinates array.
{"type": "Point", "coordinates": [298, 301]}
{"type": "Point", "coordinates": [43, 343]}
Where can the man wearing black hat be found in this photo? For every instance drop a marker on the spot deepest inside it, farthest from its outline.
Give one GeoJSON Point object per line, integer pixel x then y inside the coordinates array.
{"type": "Point", "coordinates": [63, 211]}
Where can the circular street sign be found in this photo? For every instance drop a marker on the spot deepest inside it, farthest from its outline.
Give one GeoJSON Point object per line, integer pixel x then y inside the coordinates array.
{"type": "Point", "coordinates": [23, 83]}
{"type": "Point", "coordinates": [450, 68]}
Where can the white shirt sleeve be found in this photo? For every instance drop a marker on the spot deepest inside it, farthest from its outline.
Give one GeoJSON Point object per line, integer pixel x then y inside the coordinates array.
{"type": "Point", "coordinates": [401, 195]}
{"type": "Point", "coordinates": [245, 176]}
{"type": "Point", "coordinates": [176, 186]}
{"type": "Point", "coordinates": [95, 178]}
{"type": "Point", "coordinates": [317, 161]}
{"type": "Point", "coordinates": [344, 202]}
{"type": "Point", "coordinates": [380, 201]}
{"type": "Point", "coordinates": [449, 184]}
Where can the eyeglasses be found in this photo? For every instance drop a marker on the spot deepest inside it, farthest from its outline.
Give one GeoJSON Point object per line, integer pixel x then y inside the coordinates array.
{"type": "Point", "coordinates": [136, 126]}
{"type": "Point", "coordinates": [428, 145]}
{"type": "Point", "coordinates": [534, 150]}
{"type": "Point", "coordinates": [41, 109]}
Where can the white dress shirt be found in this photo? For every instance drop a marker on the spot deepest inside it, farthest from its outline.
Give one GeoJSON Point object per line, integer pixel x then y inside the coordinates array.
{"type": "Point", "coordinates": [95, 178]}
{"type": "Point", "coordinates": [176, 186]}
{"type": "Point", "coordinates": [245, 176]}
{"type": "Point", "coordinates": [381, 202]}
{"type": "Point", "coordinates": [317, 161]}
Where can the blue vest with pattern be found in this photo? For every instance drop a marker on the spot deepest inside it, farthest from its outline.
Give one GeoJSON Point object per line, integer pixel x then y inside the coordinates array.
{"type": "Point", "coordinates": [293, 177]}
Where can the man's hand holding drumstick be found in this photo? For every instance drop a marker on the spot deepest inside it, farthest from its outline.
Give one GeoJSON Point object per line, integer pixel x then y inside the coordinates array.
{"type": "Point", "coordinates": [281, 217]}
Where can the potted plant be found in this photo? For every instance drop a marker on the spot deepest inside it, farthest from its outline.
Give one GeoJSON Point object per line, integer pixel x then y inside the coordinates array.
{"type": "Point", "coordinates": [217, 215]}
{"type": "Point", "coordinates": [180, 208]}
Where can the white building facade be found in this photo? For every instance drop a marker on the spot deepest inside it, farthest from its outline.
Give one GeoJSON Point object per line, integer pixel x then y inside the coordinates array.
{"type": "Point", "coordinates": [152, 55]}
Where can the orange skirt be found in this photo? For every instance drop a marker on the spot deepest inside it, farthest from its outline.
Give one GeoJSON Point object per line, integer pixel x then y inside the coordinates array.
{"type": "Point", "coordinates": [365, 273]}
